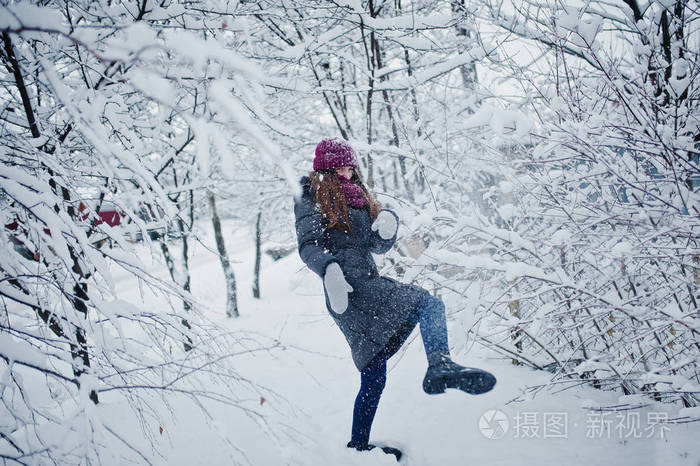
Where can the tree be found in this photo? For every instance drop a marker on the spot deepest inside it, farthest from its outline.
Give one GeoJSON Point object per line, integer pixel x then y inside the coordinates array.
{"type": "Point", "coordinates": [99, 102]}
{"type": "Point", "coordinates": [602, 234]}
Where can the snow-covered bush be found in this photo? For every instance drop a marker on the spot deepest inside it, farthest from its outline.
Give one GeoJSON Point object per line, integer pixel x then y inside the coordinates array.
{"type": "Point", "coordinates": [598, 258]}
{"type": "Point", "coordinates": [100, 104]}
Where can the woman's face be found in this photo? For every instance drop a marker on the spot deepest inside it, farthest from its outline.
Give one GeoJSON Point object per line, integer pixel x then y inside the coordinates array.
{"type": "Point", "coordinates": [344, 171]}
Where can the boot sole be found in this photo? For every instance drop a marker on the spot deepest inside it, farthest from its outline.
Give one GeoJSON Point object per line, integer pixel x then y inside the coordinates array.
{"type": "Point", "coordinates": [388, 450]}
{"type": "Point", "coordinates": [474, 384]}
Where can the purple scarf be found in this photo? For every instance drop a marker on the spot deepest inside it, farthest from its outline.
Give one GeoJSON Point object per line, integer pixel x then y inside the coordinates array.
{"type": "Point", "coordinates": [354, 195]}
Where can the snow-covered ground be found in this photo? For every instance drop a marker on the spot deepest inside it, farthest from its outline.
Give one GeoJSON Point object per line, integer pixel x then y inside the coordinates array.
{"type": "Point", "coordinates": [308, 385]}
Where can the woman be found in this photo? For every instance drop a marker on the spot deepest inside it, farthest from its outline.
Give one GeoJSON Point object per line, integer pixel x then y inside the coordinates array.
{"type": "Point", "coordinates": [338, 225]}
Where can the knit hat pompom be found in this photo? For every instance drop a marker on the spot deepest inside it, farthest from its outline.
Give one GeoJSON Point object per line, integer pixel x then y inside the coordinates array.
{"type": "Point", "coordinates": [334, 153]}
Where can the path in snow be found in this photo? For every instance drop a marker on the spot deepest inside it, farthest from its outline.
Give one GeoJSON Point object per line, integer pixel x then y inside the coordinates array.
{"type": "Point", "coordinates": [319, 382]}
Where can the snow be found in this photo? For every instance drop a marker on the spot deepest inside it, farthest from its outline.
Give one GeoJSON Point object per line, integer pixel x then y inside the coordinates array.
{"type": "Point", "coordinates": [502, 122]}
{"type": "Point", "coordinates": [589, 30]}
{"type": "Point", "coordinates": [506, 187]}
{"type": "Point", "coordinates": [309, 383]}
{"type": "Point", "coordinates": [158, 12]}
{"type": "Point", "coordinates": [15, 16]}
{"type": "Point", "coordinates": [681, 77]}
{"type": "Point", "coordinates": [623, 248]}
{"type": "Point", "coordinates": [197, 51]}
{"type": "Point", "coordinates": [132, 40]}
{"type": "Point", "coordinates": [690, 412]}
{"type": "Point", "coordinates": [405, 21]}
{"type": "Point", "coordinates": [507, 211]}
{"type": "Point", "coordinates": [521, 269]}
{"type": "Point", "coordinates": [561, 237]}
{"type": "Point", "coordinates": [153, 85]}
{"type": "Point", "coordinates": [20, 351]}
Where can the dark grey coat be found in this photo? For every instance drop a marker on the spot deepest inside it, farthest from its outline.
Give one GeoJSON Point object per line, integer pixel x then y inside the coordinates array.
{"type": "Point", "coordinates": [378, 307]}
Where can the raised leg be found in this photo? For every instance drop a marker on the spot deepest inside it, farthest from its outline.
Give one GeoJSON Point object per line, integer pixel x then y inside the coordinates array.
{"type": "Point", "coordinates": [430, 315]}
{"type": "Point", "coordinates": [442, 372]}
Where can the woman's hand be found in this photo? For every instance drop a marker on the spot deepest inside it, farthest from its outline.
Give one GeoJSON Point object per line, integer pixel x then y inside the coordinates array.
{"type": "Point", "coordinates": [386, 224]}
{"type": "Point", "coordinates": [336, 288]}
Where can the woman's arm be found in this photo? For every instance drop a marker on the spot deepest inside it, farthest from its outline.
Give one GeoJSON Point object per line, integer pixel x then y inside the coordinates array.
{"type": "Point", "coordinates": [309, 228]}
{"type": "Point", "coordinates": [383, 232]}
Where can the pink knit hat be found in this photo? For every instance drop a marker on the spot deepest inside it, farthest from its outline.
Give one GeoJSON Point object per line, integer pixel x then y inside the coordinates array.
{"type": "Point", "coordinates": [334, 153]}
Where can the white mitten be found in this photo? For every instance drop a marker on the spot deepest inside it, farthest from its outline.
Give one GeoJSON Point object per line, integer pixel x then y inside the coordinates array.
{"type": "Point", "coordinates": [337, 288]}
{"type": "Point", "coordinates": [386, 224]}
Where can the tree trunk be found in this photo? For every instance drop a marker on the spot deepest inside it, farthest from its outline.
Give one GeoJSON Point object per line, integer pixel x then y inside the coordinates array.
{"type": "Point", "coordinates": [369, 179]}
{"type": "Point", "coordinates": [394, 130]}
{"type": "Point", "coordinates": [79, 352]}
{"type": "Point", "coordinates": [468, 71]}
{"type": "Point", "coordinates": [184, 231]}
{"type": "Point", "coordinates": [256, 271]}
{"type": "Point", "coordinates": [231, 302]}
{"type": "Point", "coordinates": [170, 263]}
{"type": "Point", "coordinates": [185, 278]}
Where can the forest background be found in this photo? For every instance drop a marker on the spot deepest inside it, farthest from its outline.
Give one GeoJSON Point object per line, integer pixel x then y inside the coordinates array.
{"type": "Point", "coordinates": [543, 157]}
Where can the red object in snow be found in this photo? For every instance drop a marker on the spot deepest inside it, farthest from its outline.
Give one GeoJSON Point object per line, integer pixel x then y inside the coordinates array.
{"type": "Point", "coordinates": [13, 227]}
{"type": "Point", "coordinates": [110, 217]}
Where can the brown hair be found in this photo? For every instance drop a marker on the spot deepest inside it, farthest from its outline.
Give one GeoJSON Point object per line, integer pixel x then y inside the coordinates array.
{"type": "Point", "coordinates": [330, 198]}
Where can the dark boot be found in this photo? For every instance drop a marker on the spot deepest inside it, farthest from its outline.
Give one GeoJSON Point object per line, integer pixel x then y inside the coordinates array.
{"type": "Point", "coordinates": [444, 373]}
{"type": "Point", "coordinates": [368, 446]}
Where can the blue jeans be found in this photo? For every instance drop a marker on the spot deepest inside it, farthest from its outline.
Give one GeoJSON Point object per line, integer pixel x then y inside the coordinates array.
{"type": "Point", "coordinates": [430, 314]}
